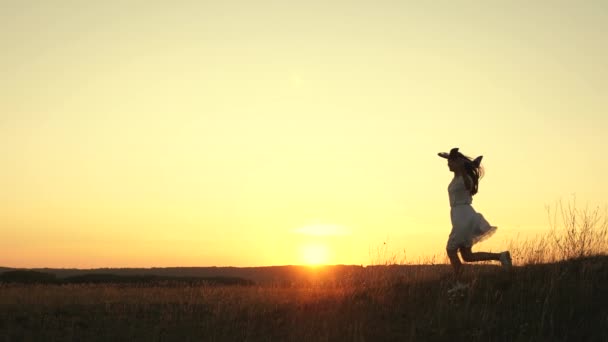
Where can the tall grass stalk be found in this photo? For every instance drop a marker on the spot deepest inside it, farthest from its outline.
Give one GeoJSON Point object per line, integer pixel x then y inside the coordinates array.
{"type": "Point", "coordinates": [574, 231]}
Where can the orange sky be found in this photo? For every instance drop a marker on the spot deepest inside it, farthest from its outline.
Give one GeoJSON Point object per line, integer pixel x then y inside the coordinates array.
{"type": "Point", "coordinates": [266, 133]}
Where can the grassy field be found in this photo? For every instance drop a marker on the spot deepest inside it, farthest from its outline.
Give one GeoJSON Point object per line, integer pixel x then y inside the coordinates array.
{"type": "Point", "coordinates": [552, 302]}
{"type": "Point", "coordinates": [557, 292]}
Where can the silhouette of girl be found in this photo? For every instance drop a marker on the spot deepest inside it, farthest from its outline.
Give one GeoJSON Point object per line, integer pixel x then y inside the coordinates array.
{"type": "Point", "coordinates": [468, 226]}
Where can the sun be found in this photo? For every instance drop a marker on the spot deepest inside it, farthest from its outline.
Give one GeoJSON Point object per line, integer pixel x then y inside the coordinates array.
{"type": "Point", "coordinates": [315, 254]}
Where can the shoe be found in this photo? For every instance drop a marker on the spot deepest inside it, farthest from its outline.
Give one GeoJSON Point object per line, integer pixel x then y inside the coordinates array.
{"type": "Point", "coordinates": [458, 287]}
{"type": "Point", "coordinates": [505, 260]}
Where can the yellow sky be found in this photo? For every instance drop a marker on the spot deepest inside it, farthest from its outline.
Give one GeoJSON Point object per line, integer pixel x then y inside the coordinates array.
{"type": "Point", "coordinates": [194, 133]}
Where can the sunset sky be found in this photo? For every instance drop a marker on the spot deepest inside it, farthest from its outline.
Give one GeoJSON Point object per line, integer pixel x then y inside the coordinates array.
{"type": "Point", "coordinates": [249, 133]}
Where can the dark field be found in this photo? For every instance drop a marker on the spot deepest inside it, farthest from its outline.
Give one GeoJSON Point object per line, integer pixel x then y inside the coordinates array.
{"type": "Point", "coordinates": [565, 301]}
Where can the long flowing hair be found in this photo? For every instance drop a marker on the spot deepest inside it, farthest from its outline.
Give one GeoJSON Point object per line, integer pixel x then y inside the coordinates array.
{"type": "Point", "coordinates": [472, 169]}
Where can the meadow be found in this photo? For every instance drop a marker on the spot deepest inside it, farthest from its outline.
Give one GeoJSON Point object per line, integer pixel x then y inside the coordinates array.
{"type": "Point", "coordinates": [558, 291]}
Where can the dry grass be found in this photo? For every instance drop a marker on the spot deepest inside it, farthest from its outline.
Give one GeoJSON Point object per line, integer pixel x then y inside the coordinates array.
{"type": "Point", "coordinates": [574, 232]}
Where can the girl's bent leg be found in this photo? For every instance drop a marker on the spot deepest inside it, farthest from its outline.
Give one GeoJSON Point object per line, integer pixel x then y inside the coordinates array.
{"type": "Point", "coordinates": [469, 256]}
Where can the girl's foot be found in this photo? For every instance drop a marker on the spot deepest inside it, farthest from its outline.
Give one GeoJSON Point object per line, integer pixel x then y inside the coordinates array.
{"type": "Point", "coordinates": [458, 287]}
{"type": "Point", "coordinates": [505, 260]}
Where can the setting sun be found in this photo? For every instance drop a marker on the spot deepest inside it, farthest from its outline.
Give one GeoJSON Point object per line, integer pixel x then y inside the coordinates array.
{"type": "Point", "coordinates": [315, 254]}
{"type": "Point", "coordinates": [263, 134]}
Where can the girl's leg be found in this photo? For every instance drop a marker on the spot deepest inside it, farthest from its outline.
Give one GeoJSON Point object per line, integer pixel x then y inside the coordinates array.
{"type": "Point", "coordinates": [455, 260]}
{"type": "Point", "coordinates": [469, 256]}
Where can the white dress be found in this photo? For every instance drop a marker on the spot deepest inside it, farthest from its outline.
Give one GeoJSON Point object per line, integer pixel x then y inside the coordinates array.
{"type": "Point", "coordinates": [468, 226]}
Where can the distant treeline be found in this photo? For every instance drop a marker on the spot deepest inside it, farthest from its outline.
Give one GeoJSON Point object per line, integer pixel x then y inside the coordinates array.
{"type": "Point", "coordinates": [35, 277]}
{"type": "Point", "coordinates": [286, 275]}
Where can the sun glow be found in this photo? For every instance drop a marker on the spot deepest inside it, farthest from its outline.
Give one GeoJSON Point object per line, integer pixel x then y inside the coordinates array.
{"type": "Point", "coordinates": [315, 254]}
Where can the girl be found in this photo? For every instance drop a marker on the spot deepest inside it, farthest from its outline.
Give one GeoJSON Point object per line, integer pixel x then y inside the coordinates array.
{"type": "Point", "coordinates": [468, 226]}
